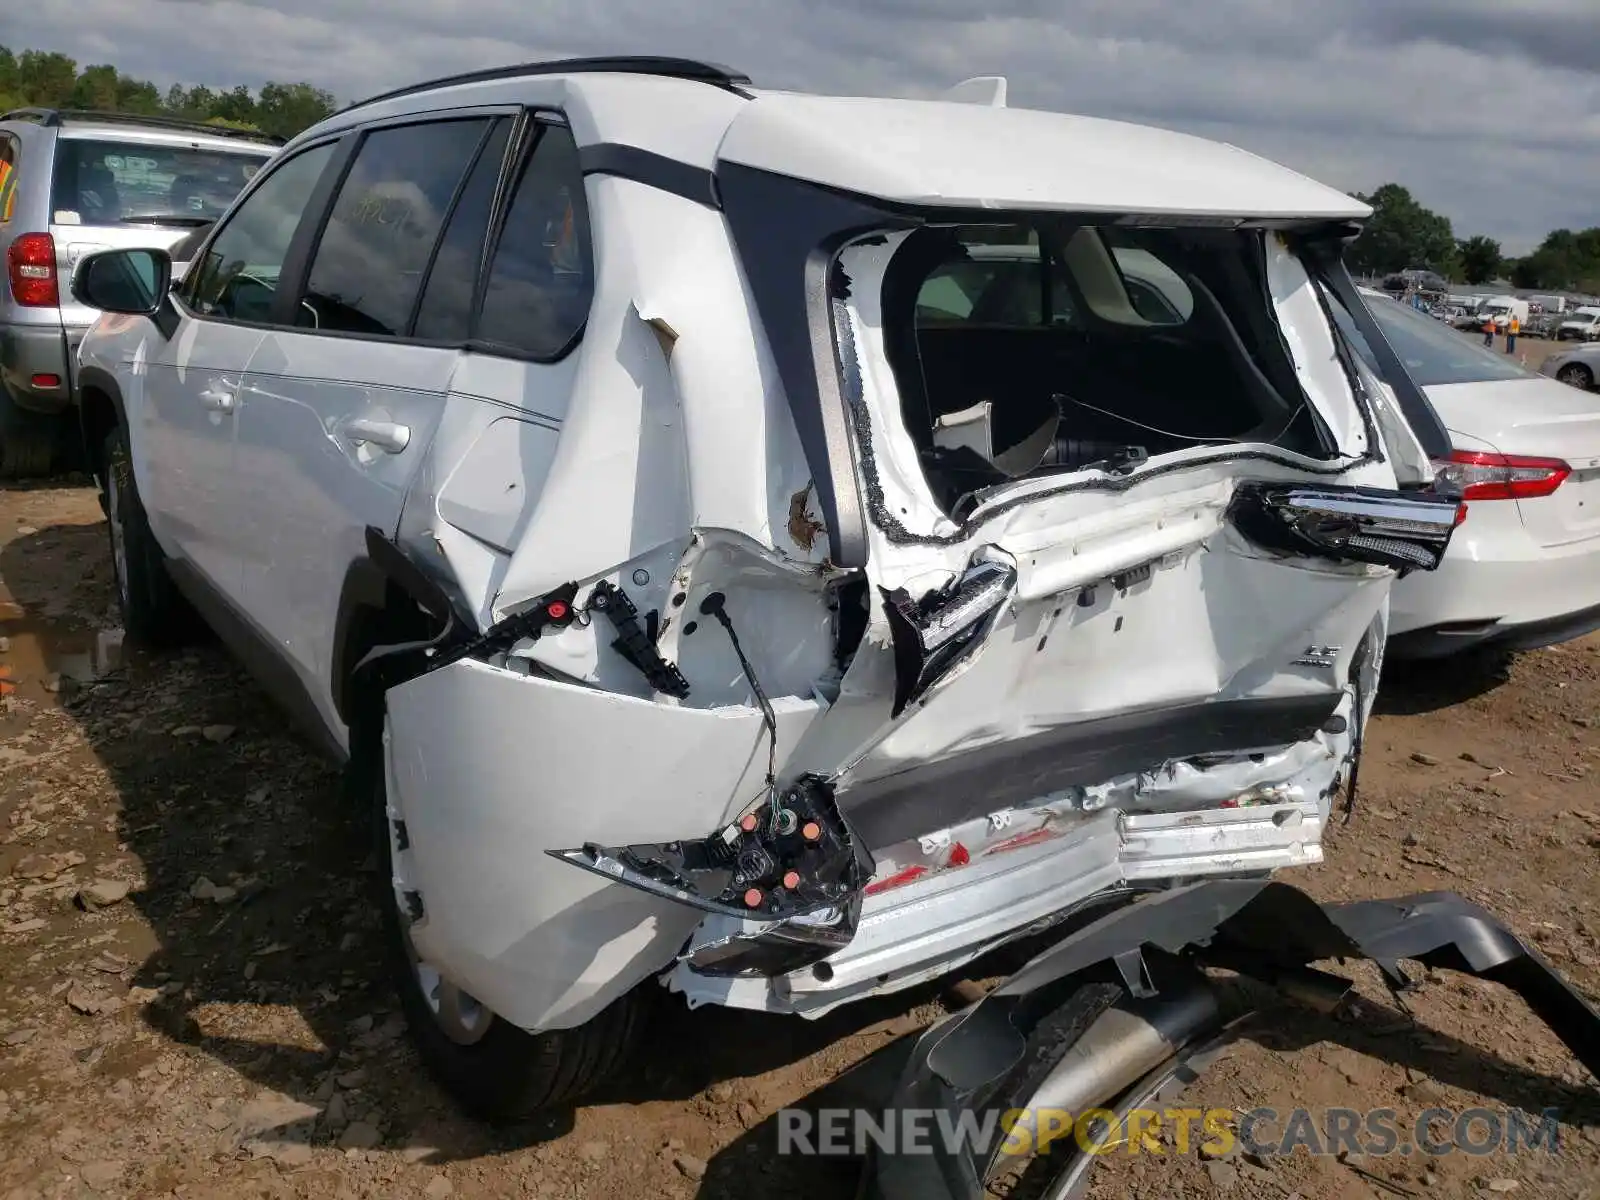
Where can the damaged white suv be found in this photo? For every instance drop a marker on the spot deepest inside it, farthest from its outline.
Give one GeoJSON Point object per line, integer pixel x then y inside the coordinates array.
{"type": "Point", "coordinates": [770, 546]}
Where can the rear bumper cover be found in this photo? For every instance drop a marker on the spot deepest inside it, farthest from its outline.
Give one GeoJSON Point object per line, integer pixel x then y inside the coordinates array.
{"type": "Point", "coordinates": [30, 350]}
{"type": "Point", "coordinates": [1264, 926]}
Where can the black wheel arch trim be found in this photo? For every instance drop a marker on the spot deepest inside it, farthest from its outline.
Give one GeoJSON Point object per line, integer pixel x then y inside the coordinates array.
{"type": "Point", "coordinates": [100, 380]}
{"type": "Point", "coordinates": [372, 585]}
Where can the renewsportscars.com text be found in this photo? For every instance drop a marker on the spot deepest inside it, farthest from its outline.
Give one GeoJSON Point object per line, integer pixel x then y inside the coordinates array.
{"type": "Point", "coordinates": [1263, 1131]}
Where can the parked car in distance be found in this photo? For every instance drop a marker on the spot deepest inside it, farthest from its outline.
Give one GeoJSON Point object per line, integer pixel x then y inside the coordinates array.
{"type": "Point", "coordinates": [80, 182]}
{"type": "Point", "coordinates": [1580, 325]}
{"type": "Point", "coordinates": [1524, 568]}
{"type": "Point", "coordinates": [802, 597]}
{"type": "Point", "coordinates": [1577, 366]}
{"type": "Point", "coordinates": [1502, 309]}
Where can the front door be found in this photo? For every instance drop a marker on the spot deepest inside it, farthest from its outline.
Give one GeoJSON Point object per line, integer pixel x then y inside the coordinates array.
{"type": "Point", "coordinates": [188, 415]}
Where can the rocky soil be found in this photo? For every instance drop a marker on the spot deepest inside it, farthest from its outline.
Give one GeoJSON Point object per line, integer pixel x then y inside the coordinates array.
{"type": "Point", "coordinates": [191, 1001]}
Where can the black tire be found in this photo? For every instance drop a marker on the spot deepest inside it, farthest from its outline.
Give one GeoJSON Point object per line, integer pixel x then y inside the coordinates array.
{"type": "Point", "coordinates": [1577, 375]}
{"type": "Point", "coordinates": [507, 1074]}
{"type": "Point", "coordinates": [154, 612]}
{"type": "Point", "coordinates": [29, 441]}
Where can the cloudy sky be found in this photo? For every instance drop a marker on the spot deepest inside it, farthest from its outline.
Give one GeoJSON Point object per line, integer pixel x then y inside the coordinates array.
{"type": "Point", "coordinates": [1489, 110]}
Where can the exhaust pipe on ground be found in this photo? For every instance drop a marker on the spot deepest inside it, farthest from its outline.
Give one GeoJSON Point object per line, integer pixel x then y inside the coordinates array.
{"type": "Point", "coordinates": [1122, 1046]}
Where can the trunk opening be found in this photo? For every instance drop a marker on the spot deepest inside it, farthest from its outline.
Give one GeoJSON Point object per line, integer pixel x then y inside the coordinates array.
{"type": "Point", "coordinates": [1047, 347]}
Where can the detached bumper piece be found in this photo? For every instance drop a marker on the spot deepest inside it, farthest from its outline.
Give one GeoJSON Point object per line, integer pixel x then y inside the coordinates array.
{"type": "Point", "coordinates": [789, 871]}
{"type": "Point", "coordinates": [1408, 532]}
{"type": "Point", "coordinates": [1156, 1022]}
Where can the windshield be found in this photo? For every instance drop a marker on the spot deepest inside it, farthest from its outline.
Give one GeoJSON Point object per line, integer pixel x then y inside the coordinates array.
{"type": "Point", "coordinates": [1432, 353]}
{"type": "Point", "coordinates": [110, 183]}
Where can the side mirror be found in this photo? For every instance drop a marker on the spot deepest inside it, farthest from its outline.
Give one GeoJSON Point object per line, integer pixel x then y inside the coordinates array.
{"type": "Point", "coordinates": [133, 282]}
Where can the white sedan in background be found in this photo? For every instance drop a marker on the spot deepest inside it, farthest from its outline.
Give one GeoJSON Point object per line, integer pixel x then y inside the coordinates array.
{"type": "Point", "coordinates": [1524, 569]}
{"type": "Point", "coordinates": [1576, 365]}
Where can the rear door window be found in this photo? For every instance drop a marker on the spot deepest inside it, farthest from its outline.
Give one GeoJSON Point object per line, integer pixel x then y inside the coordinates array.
{"type": "Point", "coordinates": [541, 278]}
{"type": "Point", "coordinates": [367, 269]}
{"type": "Point", "coordinates": [104, 182]}
{"type": "Point", "coordinates": [445, 312]}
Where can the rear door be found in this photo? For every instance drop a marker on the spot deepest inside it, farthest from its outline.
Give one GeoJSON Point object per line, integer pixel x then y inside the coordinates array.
{"type": "Point", "coordinates": [337, 412]}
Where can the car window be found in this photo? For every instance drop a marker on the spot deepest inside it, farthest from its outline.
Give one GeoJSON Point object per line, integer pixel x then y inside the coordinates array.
{"type": "Point", "coordinates": [445, 313]}
{"type": "Point", "coordinates": [1432, 352]}
{"type": "Point", "coordinates": [994, 284]}
{"type": "Point", "coordinates": [8, 176]}
{"type": "Point", "coordinates": [367, 268]}
{"type": "Point", "coordinates": [541, 279]}
{"type": "Point", "coordinates": [104, 182]}
{"type": "Point", "coordinates": [238, 279]}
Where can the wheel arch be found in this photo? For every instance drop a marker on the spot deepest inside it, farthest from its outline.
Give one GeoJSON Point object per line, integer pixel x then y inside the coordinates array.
{"type": "Point", "coordinates": [100, 410]}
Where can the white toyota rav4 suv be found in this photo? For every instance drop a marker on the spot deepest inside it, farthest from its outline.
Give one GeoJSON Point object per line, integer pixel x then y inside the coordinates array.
{"type": "Point", "coordinates": [722, 569]}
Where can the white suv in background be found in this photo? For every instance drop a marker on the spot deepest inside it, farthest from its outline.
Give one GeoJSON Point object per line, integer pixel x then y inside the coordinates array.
{"type": "Point", "coordinates": [583, 450]}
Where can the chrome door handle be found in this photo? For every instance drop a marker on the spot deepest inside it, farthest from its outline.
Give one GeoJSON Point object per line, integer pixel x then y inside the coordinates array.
{"type": "Point", "coordinates": [385, 435]}
{"type": "Point", "coordinates": [217, 400]}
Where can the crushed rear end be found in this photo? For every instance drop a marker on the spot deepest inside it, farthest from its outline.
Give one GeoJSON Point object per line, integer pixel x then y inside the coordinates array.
{"type": "Point", "coordinates": [961, 620]}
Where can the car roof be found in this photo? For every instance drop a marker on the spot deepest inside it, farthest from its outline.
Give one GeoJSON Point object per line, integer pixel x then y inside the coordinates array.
{"type": "Point", "coordinates": [921, 153]}
{"type": "Point", "coordinates": [77, 123]}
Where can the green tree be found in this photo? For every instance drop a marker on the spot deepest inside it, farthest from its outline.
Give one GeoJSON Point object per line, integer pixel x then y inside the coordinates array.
{"type": "Point", "coordinates": [1480, 259]}
{"type": "Point", "coordinates": [287, 108]}
{"type": "Point", "coordinates": [45, 77]}
{"type": "Point", "coordinates": [138, 96]}
{"type": "Point", "coordinates": [1401, 234]}
{"type": "Point", "coordinates": [96, 88]}
{"type": "Point", "coordinates": [1564, 261]}
{"type": "Point", "coordinates": [235, 105]}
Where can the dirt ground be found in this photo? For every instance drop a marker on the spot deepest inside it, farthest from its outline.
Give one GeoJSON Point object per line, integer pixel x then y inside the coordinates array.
{"type": "Point", "coordinates": [191, 1003]}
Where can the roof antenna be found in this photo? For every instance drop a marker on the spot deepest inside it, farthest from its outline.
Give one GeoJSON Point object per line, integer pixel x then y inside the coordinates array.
{"type": "Point", "coordinates": [988, 90]}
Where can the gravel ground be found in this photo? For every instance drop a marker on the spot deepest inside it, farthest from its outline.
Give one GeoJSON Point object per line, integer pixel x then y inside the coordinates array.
{"type": "Point", "coordinates": [191, 1002]}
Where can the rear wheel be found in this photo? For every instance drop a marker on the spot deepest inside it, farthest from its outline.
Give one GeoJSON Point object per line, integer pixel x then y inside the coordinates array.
{"type": "Point", "coordinates": [494, 1069]}
{"type": "Point", "coordinates": [28, 440]}
{"type": "Point", "coordinates": [153, 610]}
{"type": "Point", "coordinates": [1576, 374]}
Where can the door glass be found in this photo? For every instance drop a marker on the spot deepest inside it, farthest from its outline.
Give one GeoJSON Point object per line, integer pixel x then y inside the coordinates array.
{"type": "Point", "coordinates": [445, 314]}
{"type": "Point", "coordinates": [238, 280]}
{"type": "Point", "coordinates": [367, 269]}
{"type": "Point", "coordinates": [542, 278]}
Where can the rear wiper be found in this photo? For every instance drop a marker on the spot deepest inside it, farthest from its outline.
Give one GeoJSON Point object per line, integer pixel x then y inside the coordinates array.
{"type": "Point", "coordinates": [188, 220]}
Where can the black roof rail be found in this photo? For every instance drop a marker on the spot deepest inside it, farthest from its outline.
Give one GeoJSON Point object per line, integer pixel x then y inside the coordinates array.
{"type": "Point", "coordinates": [55, 116]}
{"type": "Point", "coordinates": [640, 64]}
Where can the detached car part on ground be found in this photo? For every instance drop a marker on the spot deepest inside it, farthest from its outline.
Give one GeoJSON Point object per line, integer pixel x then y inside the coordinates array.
{"type": "Point", "coordinates": [823, 609]}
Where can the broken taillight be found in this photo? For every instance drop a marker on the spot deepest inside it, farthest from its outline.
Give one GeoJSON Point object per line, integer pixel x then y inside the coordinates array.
{"type": "Point", "coordinates": [1483, 476]}
{"type": "Point", "coordinates": [31, 269]}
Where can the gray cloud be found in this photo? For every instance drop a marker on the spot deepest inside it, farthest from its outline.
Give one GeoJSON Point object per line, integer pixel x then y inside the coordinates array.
{"type": "Point", "coordinates": [1484, 109]}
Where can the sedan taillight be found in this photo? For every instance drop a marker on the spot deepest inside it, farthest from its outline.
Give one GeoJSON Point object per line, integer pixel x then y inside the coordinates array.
{"type": "Point", "coordinates": [31, 268]}
{"type": "Point", "coordinates": [1483, 476]}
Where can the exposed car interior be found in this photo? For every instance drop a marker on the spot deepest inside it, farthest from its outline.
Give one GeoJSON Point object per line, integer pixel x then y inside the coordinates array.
{"type": "Point", "coordinates": [1048, 347]}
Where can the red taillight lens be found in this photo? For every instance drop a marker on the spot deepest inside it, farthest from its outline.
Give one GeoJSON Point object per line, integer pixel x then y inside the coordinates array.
{"type": "Point", "coordinates": [31, 267]}
{"type": "Point", "coordinates": [1502, 476]}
